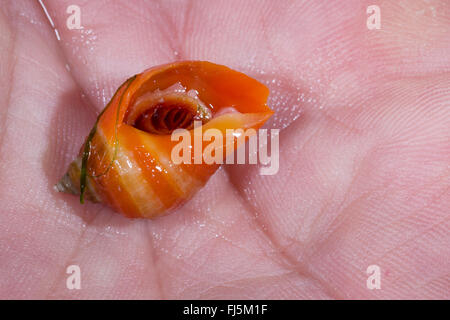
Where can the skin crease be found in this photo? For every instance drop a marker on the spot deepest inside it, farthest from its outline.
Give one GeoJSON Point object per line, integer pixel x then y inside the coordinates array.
{"type": "Point", "coordinates": [364, 152]}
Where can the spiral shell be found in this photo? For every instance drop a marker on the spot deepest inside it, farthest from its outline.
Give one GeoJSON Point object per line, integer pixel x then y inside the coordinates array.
{"type": "Point", "coordinates": [126, 162]}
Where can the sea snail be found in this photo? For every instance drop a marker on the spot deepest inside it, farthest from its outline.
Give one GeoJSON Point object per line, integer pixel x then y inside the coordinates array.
{"type": "Point", "coordinates": [125, 162]}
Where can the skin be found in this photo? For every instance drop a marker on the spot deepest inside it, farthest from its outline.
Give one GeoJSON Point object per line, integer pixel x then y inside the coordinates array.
{"type": "Point", "coordinates": [364, 152]}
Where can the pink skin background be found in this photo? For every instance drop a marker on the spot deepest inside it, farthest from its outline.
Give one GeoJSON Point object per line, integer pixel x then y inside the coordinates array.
{"type": "Point", "coordinates": [364, 152]}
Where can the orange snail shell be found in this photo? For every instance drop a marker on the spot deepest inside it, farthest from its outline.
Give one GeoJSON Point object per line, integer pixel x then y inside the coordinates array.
{"type": "Point", "coordinates": [126, 159]}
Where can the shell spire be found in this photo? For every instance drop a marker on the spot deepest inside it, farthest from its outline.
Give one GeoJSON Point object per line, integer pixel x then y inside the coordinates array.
{"type": "Point", "coordinates": [126, 161]}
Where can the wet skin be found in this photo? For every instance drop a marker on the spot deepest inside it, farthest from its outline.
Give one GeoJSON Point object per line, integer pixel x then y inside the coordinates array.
{"type": "Point", "coordinates": [364, 152]}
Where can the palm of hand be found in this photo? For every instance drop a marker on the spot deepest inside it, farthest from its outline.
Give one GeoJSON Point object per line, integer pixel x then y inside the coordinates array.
{"type": "Point", "coordinates": [364, 153]}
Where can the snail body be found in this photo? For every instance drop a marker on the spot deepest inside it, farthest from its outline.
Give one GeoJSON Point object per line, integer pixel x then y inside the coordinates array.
{"type": "Point", "coordinates": [126, 160]}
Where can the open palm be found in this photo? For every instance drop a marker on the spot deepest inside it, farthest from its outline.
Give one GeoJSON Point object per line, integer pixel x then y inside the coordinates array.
{"type": "Point", "coordinates": [364, 152]}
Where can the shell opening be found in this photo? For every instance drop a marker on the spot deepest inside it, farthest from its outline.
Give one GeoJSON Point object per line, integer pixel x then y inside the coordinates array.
{"type": "Point", "coordinates": [162, 112]}
{"type": "Point", "coordinates": [163, 119]}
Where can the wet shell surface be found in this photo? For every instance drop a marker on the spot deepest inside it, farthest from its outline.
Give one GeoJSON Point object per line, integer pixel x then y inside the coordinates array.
{"type": "Point", "coordinates": [126, 161]}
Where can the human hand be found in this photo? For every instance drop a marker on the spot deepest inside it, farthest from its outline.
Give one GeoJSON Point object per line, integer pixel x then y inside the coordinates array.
{"type": "Point", "coordinates": [364, 152]}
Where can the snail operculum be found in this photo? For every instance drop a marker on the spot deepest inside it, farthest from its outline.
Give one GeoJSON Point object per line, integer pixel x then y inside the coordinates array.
{"type": "Point", "coordinates": [163, 111]}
